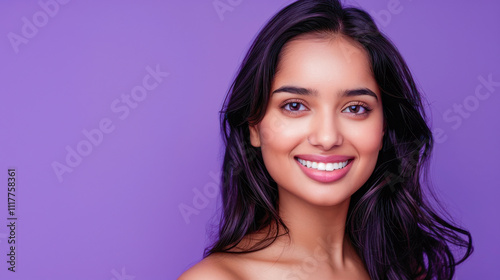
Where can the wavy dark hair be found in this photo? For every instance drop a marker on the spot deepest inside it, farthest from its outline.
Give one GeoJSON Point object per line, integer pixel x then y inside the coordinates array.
{"type": "Point", "coordinates": [391, 223]}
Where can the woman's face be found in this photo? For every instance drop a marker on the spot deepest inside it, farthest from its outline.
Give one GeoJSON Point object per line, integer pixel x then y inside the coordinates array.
{"type": "Point", "coordinates": [325, 112]}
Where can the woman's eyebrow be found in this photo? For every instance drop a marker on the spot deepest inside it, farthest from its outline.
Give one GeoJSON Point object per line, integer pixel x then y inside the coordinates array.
{"type": "Point", "coordinates": [359, 91]}
{"type": "Point", "coordinates": [296, 90]}
{"type": "Point", "coordinates": [306, 91]}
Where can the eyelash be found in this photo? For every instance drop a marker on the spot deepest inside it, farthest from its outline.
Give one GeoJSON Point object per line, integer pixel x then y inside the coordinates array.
{"type": "Point", "coordinates": [363, 105]}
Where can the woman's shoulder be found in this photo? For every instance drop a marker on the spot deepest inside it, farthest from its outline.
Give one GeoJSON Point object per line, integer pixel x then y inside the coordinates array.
{"type": "Point", "coordinates": [216, 266]}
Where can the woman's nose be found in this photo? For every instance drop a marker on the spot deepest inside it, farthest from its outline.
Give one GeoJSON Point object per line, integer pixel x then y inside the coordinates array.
{"type": "Point", "coordinates": [325, 132]}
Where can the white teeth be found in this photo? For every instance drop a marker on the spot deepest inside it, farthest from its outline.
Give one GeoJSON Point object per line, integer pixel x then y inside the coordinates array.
{"type": "Point", "coordinates": [330, 166]}
{"type": "Point", "coordinates": [321, 166]}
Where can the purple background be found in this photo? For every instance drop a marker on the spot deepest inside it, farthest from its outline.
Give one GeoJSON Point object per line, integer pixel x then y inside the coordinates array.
{"type": "Point", "coordinates": [117, 213]}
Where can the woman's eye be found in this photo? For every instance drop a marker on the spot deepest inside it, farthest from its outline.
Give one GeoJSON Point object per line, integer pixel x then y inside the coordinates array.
{"type": "Point", "coordinates": [356, 109]}
{"type": "Point", "coordinates": [294, 106]}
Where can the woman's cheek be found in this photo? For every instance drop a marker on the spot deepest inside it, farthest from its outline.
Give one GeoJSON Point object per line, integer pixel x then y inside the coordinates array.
{"type": "Point", "coordinates": [365, 136]}
{"type": "Point", "coordinates": [279, 129]}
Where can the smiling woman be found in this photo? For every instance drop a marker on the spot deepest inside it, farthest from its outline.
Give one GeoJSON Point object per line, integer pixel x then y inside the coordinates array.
{"type": "Point", "coordinates": [326, 151]}
{"type": "Point", "coordinates": [331, 121]}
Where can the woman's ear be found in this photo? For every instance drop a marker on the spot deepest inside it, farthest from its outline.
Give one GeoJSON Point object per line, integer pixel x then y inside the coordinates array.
{"type": "Point", "coordinates": [254, 135]}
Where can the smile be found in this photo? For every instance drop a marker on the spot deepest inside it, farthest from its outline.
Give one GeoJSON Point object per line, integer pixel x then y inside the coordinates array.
{"type": "Point", "coordinates": [325, 169]}
{"type": "Point", "coordinates": [330, 166]}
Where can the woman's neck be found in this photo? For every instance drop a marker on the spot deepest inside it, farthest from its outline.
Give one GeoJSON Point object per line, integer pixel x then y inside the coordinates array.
{"type": "Point", "coordinates": [317, 230]}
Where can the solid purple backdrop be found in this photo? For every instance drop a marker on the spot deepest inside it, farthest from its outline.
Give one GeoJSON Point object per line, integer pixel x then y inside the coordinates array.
{"type": "Point", "coordinates": [71, 67]}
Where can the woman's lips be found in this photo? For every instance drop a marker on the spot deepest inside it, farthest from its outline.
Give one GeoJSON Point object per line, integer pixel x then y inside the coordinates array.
{"type": "Point", "coordinates": [325, 176]}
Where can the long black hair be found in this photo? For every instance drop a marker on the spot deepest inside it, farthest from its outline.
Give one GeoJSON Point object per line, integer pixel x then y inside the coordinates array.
{"type": "Point", "coordinates": [390, 222]}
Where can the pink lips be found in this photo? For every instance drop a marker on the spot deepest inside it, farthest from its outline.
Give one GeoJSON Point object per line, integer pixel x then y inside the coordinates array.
{"type": "Point", "coordinates": [323, 175]}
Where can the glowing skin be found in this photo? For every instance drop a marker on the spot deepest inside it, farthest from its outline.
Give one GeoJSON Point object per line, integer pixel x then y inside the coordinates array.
{"type": "Point", "coordinates": [323, 122]}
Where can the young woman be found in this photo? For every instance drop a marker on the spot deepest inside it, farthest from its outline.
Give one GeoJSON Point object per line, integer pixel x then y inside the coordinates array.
{"type": "Point", "coordinates": [326, 151]}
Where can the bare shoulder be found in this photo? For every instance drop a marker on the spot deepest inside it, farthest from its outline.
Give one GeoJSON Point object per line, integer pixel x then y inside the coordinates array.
{"type": "Point", "coordinates": [216, 267]}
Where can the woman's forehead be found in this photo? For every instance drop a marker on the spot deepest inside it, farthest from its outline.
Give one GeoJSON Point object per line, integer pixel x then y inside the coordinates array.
{"type": "Point", "coordinates": [313, 61]}
{"type": "Point", "coordinates": [336, 42]}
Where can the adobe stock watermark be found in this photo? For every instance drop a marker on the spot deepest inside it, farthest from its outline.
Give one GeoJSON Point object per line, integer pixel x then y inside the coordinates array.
{"type": "Point", "coordinates": [223, 6]}
{"type": "Point", "coordinates": [202, 196]}
{"type": "Point", "coordinates": [122, 108]}
{"type": "Point", "coordinates": [384, 16]}
{"type": "Point", "coordinates": [463, 110]}
{"type": "Point", "coordinates": [121, 276]}
{"type": "Point", "coordinates": [48, 9]}
{"type": "Point", "coordinates": [455, 115]}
